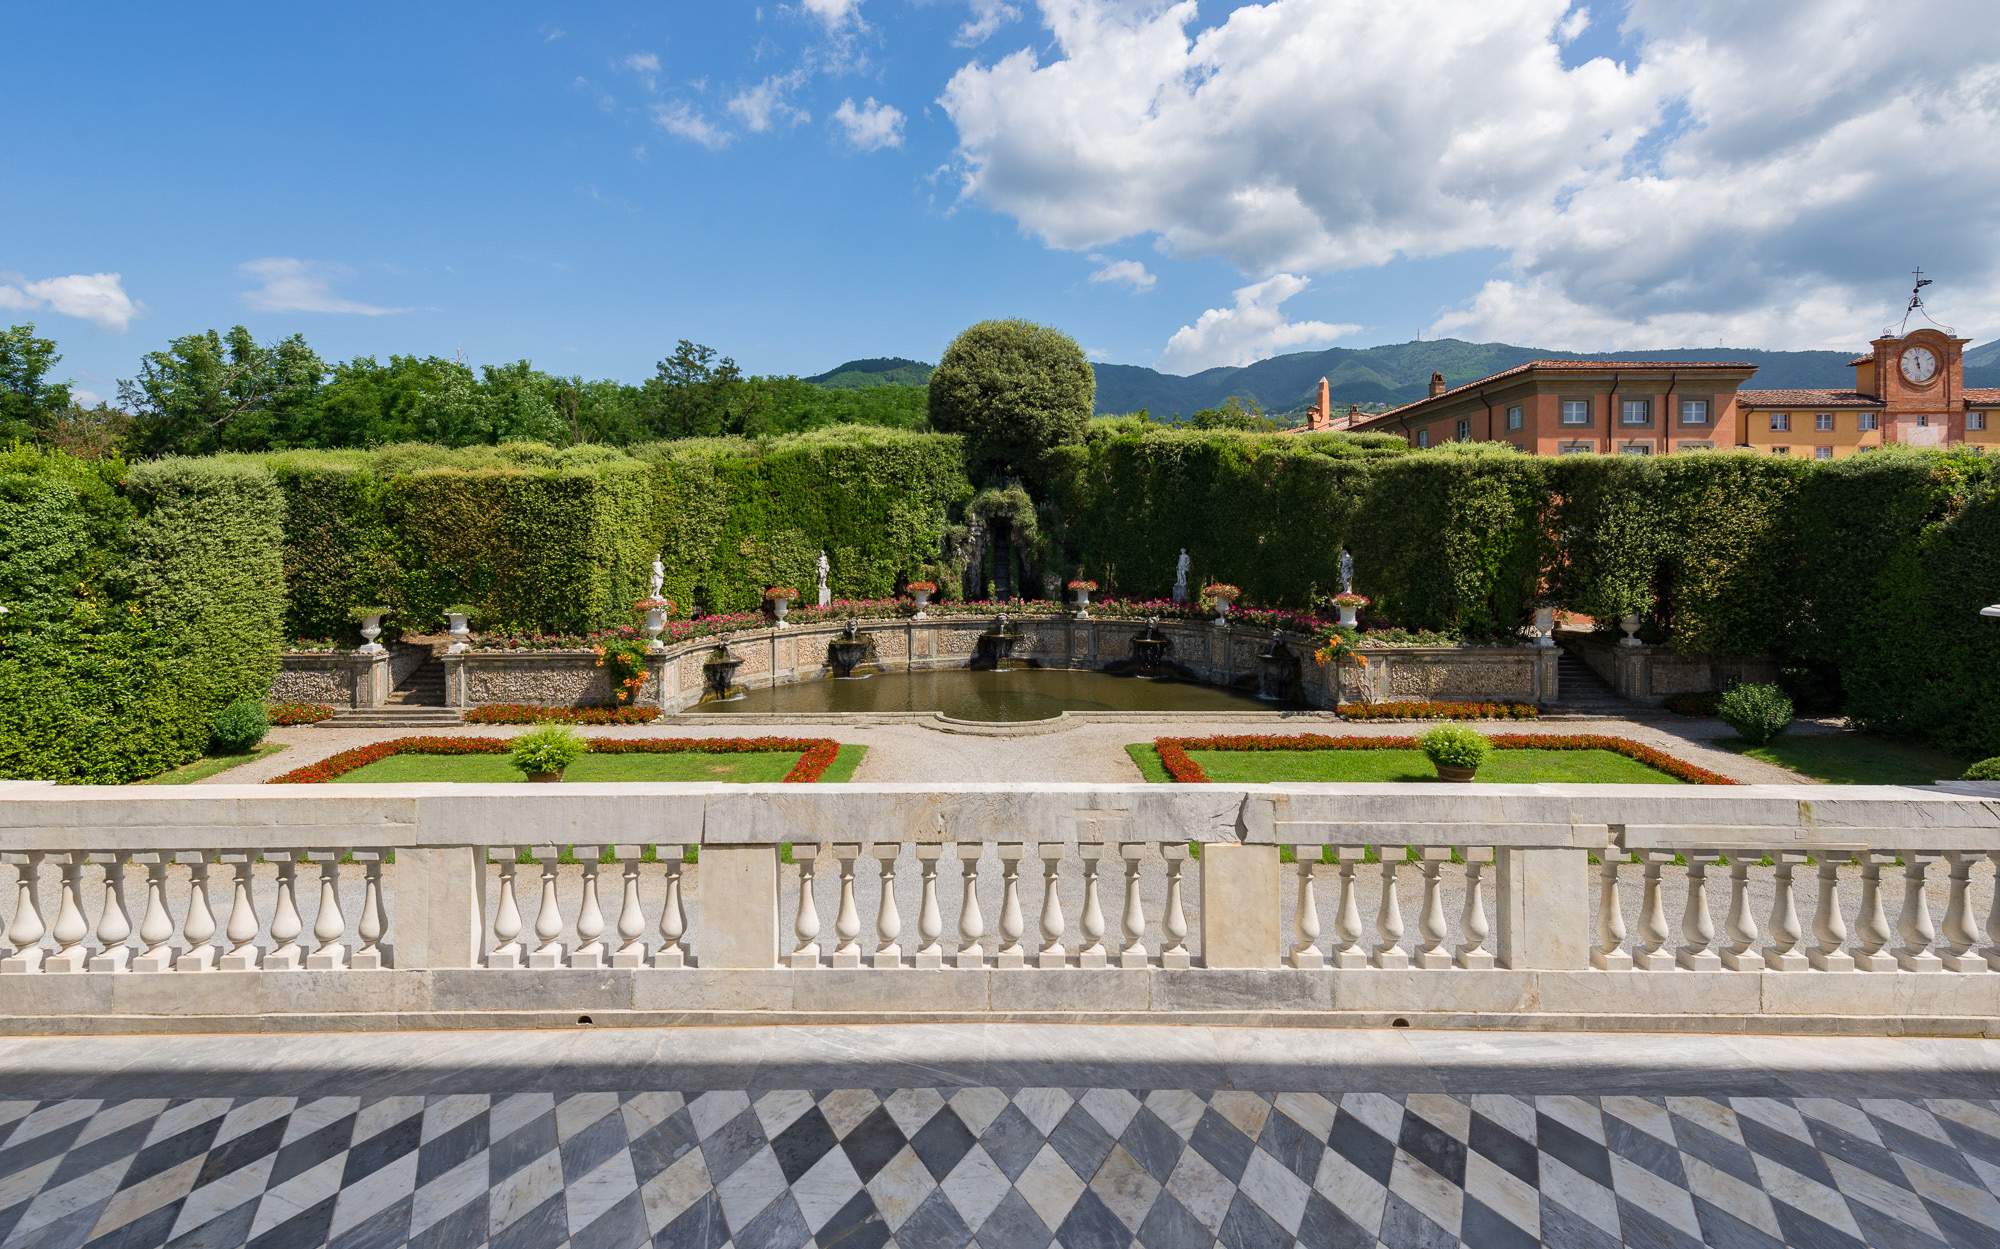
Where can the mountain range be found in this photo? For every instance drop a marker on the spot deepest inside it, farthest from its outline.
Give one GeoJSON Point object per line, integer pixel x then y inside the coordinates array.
{"type": "Point", "coordinates": [1386, 376]}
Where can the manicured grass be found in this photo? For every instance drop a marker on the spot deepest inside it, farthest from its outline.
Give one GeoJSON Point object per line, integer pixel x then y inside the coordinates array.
{"type": "Point", "coordinates": [1521, 767]}
{"type": "Point", "coordinates": [200, 769]}
{"type": "Point", "coordinates": [682, 766]}
{"type": "Point", "coordinates": [1854, 758]}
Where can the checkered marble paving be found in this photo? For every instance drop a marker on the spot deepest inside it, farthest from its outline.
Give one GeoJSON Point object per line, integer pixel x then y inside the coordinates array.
{"type": "Point", "coordinates": [1001, 1168]}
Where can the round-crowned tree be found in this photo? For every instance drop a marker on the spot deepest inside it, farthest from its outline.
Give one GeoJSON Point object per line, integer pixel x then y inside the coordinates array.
{"type": "Point", "coordinates": [1014, 389]}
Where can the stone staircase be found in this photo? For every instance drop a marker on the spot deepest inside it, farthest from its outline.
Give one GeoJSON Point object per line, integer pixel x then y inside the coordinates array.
{"type": "Point", "coordinates": [1583, 693]}
{"type": "Point", "coordinates": [418, 703]}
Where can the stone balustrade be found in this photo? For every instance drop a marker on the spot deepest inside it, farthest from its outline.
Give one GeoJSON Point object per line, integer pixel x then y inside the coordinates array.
{"type": "Point", "coordinates": [370, 906]}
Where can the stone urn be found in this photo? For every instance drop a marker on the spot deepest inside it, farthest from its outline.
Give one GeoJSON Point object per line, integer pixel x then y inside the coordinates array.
{"type": "Point", "coordinates": [460, 633]}
{"type": "Point", "coordinates": [779, 606]}
{"type": "Point", "coordinates": [1221, 610]}
{"type": "Point", "coordinates": [1082, 602]}
{"type": "Point", "coordinates": [1545, 626]}
{"type": "Point", "coordinates": [371, 628]}
{"type": "Point", "coordinates": [923, 598]}
{"type": "Point", "coordinates": [1631, 626]}
{"type": "Point", "coordinates": [1348, 619]}
{"type": "Point", "coordinates": [656, 624]}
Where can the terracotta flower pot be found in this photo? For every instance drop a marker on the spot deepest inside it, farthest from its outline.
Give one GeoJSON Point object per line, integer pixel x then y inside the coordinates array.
{"type": "Point", "coordinates": [545, 778]}
{"type": "Point", "coordinates": [1448, 773]}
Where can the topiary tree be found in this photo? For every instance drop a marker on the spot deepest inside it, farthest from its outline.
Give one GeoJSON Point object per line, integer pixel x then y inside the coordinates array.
{"type": "Point", "coordinates": [1014, 389]}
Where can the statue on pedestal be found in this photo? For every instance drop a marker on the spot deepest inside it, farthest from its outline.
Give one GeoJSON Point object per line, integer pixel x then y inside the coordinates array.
{"type": "Point", "coordinates": [1346, 572]}
{"type": "Point", "coordinates": [1181, 577]}
{"type": "Point", "coordinates": [658, 579]}
{"type": "Point", "coordinates": [825, 594]}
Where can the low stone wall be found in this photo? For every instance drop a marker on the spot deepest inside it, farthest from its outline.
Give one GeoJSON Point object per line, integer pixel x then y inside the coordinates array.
{"type": "Point", "coordinates": [344, 678]}
{"type": "Point", "coordinates": [1652, 674]}
{"type": "Point", "coordinates": [1462, 674]}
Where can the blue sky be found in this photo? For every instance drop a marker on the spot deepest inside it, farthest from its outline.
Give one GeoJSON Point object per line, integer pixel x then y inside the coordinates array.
{"type": "Point", "coordinates": [797, 185]}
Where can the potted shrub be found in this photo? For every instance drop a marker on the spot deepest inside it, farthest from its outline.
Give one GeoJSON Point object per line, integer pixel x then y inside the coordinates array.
{"type": "Point", "coordinates": [545, 753]}
{"type": "Point", "coordinates": [1758, 713]}
{"type": "Point", "coordinates": [780, 597]}
{"type": "Point", "coordinates": [1082, 591]}
{"type": "Point", "coordinates": [456, 618]}
{"type": "Point", "coordinates": [1455, 751]}
{"type": "Point", "coordinates": [1220, 594]}
{"type": "Point", "coordinates": [1350, 603]}
{"type": "Point", "coordinates": [921, 591]}
{"type": "Point", "coordinates": [370, 619]}
{"type": "Point", "coordinates": [657, 610]}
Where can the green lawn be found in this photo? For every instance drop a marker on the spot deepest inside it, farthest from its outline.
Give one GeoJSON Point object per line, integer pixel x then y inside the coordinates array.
{"type": "Point", "coordinates": [1521, 767]}
{"type": "Point", "coordinates": [200, 769]}
{"type": "Point", "coordinates": [1854, 758]}
{"type": "Point", "coordinates": [686, 766]}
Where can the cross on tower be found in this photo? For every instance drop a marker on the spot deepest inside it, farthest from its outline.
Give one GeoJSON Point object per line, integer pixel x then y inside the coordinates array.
{"type": "Point", "coordinates": [1916, 297]}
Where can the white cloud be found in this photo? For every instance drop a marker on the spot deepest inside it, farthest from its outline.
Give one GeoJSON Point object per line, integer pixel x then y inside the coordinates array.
{"type": "Point", "coordinates": [870, 126]}
{"type": "Point", "coordinates": [292, 285]}
{"type": "Point", "coordinates": [1130, 272]}
{"type": "Point", "coordinates": [988, 16]}
{"type": "Point", "coordinates": [646, 65]}
{"type": "Point", "coordinates": [679, 119]}
{"type": "Point", "coordinates": [765, 103]}
{"type": "Point", "coordinates": [98, 298]}
{"type": "Point", "coordinates": [1252, 330]}
{"type": "Point", "coordinates": [1708, 187]}
{"type": "Point", "coordinates": [835, 13]}
{"type": "Point", "coordinates": [88, 398]}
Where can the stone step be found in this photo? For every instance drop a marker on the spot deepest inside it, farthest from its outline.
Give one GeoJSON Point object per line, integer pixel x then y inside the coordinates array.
{"type": "Point", "coordinates": [393, 716]}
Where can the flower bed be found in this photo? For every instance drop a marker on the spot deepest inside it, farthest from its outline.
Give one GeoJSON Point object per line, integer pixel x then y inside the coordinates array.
{"type": "Point", "coordinates": [1426, 710]}
{"type": "Point", "coordinates": [286, 714]}
{"type": "Point", "coordinates": [523, 713]}
{"type": "Point", "coordinates": [1173, 750]}
{"type": "Point", "coordinates": [817, 753]}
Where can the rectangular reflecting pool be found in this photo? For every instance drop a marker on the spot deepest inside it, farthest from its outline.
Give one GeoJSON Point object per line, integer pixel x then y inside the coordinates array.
{"type": "Point", "coordinates": [1004, 696]}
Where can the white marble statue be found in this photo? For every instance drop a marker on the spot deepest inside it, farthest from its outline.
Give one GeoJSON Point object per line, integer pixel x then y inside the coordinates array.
{"type": "Point", "coordinates": [825, 594]}
{"type": "Point", "coordinates": [1346, 572]}
{"type": "Point", "coordinates": [658, 579]}
{"type": "Point", "coordinates": [1181, 577]}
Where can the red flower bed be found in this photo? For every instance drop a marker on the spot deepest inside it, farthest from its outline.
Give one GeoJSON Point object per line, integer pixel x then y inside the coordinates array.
{"type": "Point", "coordinates": [816, 753]}
{"type": "Point", "coordinates": [298, 713]}
{"type": "Point", "coordinates": [521, 713]}
{"type": "Point", "coordinates": [1173, 750]}
{"type": "Point", "coordinates": [1424, 710]}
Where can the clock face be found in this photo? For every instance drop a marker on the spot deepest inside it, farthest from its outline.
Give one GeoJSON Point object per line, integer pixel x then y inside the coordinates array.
{"type": "Point", "coordinates": [1919, 364]}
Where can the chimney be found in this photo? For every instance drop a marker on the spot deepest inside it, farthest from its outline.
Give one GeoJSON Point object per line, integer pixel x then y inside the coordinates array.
{"type": "Point", "coordinates": [1322, 412]}
{"type": "Point", "coordinates": [1437, 384]}
{"type": "Point", "coordinates": [1353, 414]}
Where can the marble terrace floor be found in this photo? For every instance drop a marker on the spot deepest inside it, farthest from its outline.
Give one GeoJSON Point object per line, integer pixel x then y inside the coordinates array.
{"type": "Point", "coordinates": [506, 1140]}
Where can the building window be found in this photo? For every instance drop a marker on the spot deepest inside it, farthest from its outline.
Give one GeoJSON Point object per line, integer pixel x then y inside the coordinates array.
{"type": "Point", "coordinates": [1635, 448]}
{"type": "Point", "coordinates": [1694, 411]}
{"type": "Point", "coordinates": [1781, 450]}
{"type": "Point", "coordinates": [1423, 438]}
{"type": "Point", "coordinates": [1687, 445]}
{"type": "Point", "coordinates": [1513, 418]}
{"type": "Point", "coordinates": [1822, 453]}
{"type": "Point", "coordinates": [1923, 422]}
{"type": "Point", "coordinates": [1465, 431]}
{"type": "Point", "coordinates": [1823, 421]}
{"type": "Point", "coordinates": [1868, 421]}
{"type": "Point", "coordinates": [1975, 420]}
{"type": "Point", "coordinates": [1575, 448]}
{"type": "Point", "coordinates": [1781, 420]}
{"type": "Point", "coordinates": [1636, 412]}
{"type": "Point", "coordinates": [1576, 412]}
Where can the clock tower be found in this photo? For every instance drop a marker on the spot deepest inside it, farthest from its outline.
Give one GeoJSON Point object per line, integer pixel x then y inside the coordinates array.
{"type": "Point", "coordinates": [1919, 377]}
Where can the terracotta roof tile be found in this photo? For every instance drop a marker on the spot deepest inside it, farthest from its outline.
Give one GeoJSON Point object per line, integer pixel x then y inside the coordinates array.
{"type": "Point", "coordinates": [1982, 394]}
{"type": "Point", "coordinates": [1859, 360]}
{"type": "Point", "coordinates": [1806, 399]}
{"type": "Point", "coordinates": [1683, 366]}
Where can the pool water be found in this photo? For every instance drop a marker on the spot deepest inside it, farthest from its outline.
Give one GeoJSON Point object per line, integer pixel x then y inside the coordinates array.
{"type": "Point", "coordinates": [1021, 694]}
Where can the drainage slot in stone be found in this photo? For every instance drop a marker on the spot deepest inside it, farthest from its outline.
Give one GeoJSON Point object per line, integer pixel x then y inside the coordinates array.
{"type": "Point", "coordinates": [586, 1019]}
{"type": "Point", "coordinates": [1400, 1023]}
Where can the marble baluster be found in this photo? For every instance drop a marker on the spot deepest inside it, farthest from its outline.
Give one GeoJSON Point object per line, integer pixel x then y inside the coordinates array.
{"type": "Point", "coordinates": [548, 914]}
{"type": "Point", "coordinates": [1829, 928]}
{"type": "Point", "coordinates": [1012, 925]}
{"type": "Point", "coordinates": [1652, 953]}
{"type": "Point", "coordinates": [1961, 935]}
{"type": "Point", "coordinates": [888, 920]}
{"type": "Point", "coordinates": [374, 953]}
{"type": "Point", "coordinates": [971, 922]}
{"type": "Point", "coordinates": [1871, 925]}
{"type": "Point", "coordinates": [198, 930]}
{"type": "Point", "coordinates": [591, 952]}
{"type": "Point", "coordinates": [1739, 928]}
{"type": "Point", "coordinates": [1133, 921]}
{"type": "Point", "coordinates": [1786, 930]}
{"type": "Point", "coordinates": [244, 952]}
{"type": "Point", "coordinates": [1430, 918]}
{"type": "Point", "coordinates": [1914, 924]}
{"type": "Point", "coordinates": [1697, 925]}
{"type": "Point", "coordinates": [673, 915]}
{"type": "Point", "coordinates": [1611, 954]}
{"type": "Point", "coordinates": [1174, 955]}
{"type": "Point", "coordinates": [507, 953]}
{"type": "Point", "coordinates": [114, 925]}
{"type": "Point", "coordinates": [25, 930]}
{"type": "Point", "coordinates": [286, 926]}
{"type": "Point", "coordinates": [1992, 951]}
{"type": "Point", "coordinates": [930, 920]}
{"type": "Point", "coordinates": [1305, 952]}
{"type": "Point", "coordinates": [1389, 954]}
{"type": "Point", "coordinates": [631, 951]}
{"type": "Point", "coordinates": [805, 953]}
{"type": "Point", "coordinates": [156, 926]}
{"type": "Point", "coordinates": [71, 927]}
{"type": "Point", "coordinates": [1054, 924]}
{"type": "Point", "coordinates": [329, 926]}
{"type": "Point", "coordinates": [847, 920]}
{"type": "Point", "coordinates": [1472, 926]}
{"type": "Point", "coordinates": [1092, 952]}
{"type": "Point", "coordinates": [1347, 951]}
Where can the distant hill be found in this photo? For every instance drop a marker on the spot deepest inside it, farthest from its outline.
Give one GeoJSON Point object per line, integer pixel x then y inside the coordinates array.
{"type": "Point", "coordinates": [1394, 374]}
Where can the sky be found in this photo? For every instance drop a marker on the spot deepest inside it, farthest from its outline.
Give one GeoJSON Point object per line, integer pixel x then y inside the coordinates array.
{"type": "Point", "coordinates": [1176, 185]}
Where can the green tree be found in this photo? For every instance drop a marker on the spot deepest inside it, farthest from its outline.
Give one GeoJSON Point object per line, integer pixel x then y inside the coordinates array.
{"type": "Point", "coordinates": [508, 402]}
{"type": "Point", "coordinates": [691, 395]}
{"type": "Point", "coordinates": [1235, 413]}
{"type": "Point", "coordinates": [29, 402]}
{"type": "Point", "coordinates": [210, 392]}
{"type": "Point", "coordinates": [366, 403]}
{"type": "Point", "coordinates": [1015, 390]}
